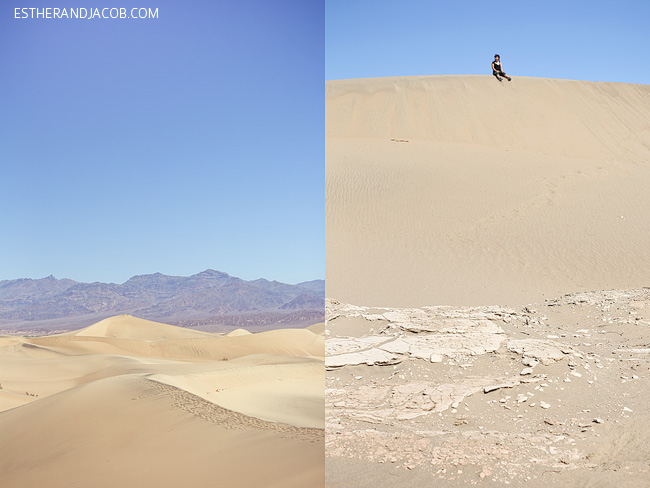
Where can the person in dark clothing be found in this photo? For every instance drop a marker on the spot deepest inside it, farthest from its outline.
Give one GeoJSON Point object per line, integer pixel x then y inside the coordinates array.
{"type": "Point", "coordinates": [497, 69]}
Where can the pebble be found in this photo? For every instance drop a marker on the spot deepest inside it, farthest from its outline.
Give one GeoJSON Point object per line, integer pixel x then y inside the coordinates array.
{"type": "Point", "coordinates": [544, 405]}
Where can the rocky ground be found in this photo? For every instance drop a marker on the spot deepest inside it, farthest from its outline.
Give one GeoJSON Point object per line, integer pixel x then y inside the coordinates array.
{"type": "Point", "coordinates": [550, 394]}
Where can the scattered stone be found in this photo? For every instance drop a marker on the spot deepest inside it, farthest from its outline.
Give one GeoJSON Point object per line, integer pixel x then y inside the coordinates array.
{"type": "Point", "coordinates": [531, 362]}
{"type": "Point", "coordinates": [510, 383]}
{"type": "Point", "coordinates": [369, 357]}
{"type": "Point", "coordinates": [546, 352]}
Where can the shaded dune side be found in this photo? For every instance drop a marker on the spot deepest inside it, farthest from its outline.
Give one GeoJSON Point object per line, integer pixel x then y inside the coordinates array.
{"type": "Point", "coordinates": [460, 190]}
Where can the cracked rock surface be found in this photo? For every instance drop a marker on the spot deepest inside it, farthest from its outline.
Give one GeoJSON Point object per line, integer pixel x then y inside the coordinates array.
{"type": "Point", "coordinates": [551, 394]}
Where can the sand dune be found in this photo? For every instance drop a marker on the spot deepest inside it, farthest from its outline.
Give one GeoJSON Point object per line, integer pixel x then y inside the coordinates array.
{"type": "Point", "coordinates": [317, 328]}
{"type": "Point", "coordinates": [129, 327]}
{"type": "Point", "coordinates": [460, 190]}
{"type": "Point", "coordinates": [131, 402]}
{"type": "Point", "coordinates": [126, 335]}
{"type": "Point", "coordinates": [270, 387]}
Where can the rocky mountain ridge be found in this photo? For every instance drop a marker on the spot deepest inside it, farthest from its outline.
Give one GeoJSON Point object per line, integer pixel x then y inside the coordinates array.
{"type": "Point", "coordinates": [49, 302]}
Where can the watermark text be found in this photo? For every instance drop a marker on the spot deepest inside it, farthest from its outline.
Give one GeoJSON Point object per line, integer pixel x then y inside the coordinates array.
{"type": "Point", "coordinates": [85, 13]}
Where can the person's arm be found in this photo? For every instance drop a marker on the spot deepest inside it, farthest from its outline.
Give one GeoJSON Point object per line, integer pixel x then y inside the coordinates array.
{"type": "Point", "coordinates": [493, 66]}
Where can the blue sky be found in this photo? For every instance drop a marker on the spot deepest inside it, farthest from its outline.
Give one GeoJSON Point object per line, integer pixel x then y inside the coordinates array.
{"type": "Point", "coordinates": [584, 40]}
{"type": "Point", "coordinates": [170, 145]}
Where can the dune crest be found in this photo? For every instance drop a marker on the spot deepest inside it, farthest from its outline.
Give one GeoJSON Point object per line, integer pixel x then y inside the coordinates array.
{"type": "Point", "coordinates": [129, 327]}
{"type": "Point", "coordinates": [238, 332]}
{"type": "Point", "coordinates": [546, 116]}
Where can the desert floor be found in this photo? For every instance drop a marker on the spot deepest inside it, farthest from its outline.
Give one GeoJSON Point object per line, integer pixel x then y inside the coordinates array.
{"type": "Point", "coordinates": [130, 402]}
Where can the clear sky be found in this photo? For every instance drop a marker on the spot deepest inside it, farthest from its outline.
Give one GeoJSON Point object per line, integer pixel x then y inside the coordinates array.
{"type": "Point", "coordinates": [172, 145]}
{"type": "Point", "coordinates": [571, 39]}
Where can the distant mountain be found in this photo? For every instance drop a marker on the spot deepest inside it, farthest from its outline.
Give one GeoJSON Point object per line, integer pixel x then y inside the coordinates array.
{"type": "Point", "coordinates": [316, 285]}
{"type": "Point", "coordinates": [51, 303]}
{"type": "Point", "coordinates": [304, 302]}
{"type": "Point", "coordinates": [25, 288]}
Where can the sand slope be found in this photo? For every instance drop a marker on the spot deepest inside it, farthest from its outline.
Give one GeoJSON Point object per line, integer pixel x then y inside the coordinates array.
{"type": "Point", "coordinates": [462, 190]}
{"type": "Point", "coordinates": [130, 402]}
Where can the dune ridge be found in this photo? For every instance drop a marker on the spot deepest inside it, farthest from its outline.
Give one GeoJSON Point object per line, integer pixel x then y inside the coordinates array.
{"type": "Point", "coordinates": [547, 116]}
{"type": "Point", "coordinates": [136, 337]}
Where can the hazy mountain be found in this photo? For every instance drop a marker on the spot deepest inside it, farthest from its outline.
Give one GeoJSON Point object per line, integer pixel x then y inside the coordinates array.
{"type": "Point", "coordinates": [304, 302]}
{"type": "Point", "coordinates": [51, 303]}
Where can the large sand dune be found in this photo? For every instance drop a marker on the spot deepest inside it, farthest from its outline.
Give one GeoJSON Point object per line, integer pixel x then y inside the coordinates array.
{"type": "Point", "coordinates": [462, 190]}
{"type": "Point", "coordinates": [131, 402]}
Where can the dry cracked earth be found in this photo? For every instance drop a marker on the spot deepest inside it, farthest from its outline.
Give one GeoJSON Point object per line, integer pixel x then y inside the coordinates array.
{"type": "Point", "coordinates": [550, 394]}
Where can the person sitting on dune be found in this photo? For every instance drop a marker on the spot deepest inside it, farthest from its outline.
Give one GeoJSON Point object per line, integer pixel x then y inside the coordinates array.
{"type": "Point", "coordinates": [497, 69]}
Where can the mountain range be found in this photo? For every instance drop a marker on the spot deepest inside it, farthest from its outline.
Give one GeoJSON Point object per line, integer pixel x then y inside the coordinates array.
{"type": "Point", "coordinates": [207, 299]}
